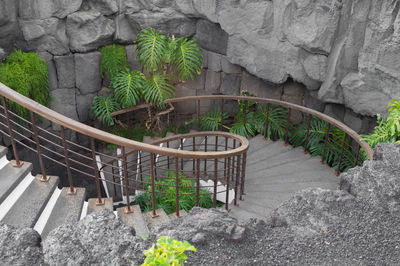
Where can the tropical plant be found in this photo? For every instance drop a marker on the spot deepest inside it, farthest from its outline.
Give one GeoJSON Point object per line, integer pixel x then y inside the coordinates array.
{"type": "Point", "coordinates": [211, 120]}
{"type": "Point", "coordinates": [27, 74]}
{"type": "Point", "coordinates": [102, 109]}
{"type": "Point", "coordinates": [165, 60]}
{"type": "Point", "coordinates": [113, 60]}
{"type": "Point", "coordinates": [168, 252]}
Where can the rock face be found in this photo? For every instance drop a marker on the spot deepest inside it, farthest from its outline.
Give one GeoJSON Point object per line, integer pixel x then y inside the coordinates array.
{"type": "Point", "coordinates": [20, 246]}
{"type": "Point", "coordinates": [100, 238]}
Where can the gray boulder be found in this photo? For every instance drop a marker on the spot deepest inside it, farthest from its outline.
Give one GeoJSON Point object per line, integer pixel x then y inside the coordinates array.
{"type": "Point", "coordinates": [51, 67]}
{"type": "Point", "coordinates": [87, 72]}
{"type": "Point", "coordinates": [3, 54]}
{"type": "Point", "coordinates": [88, 30]}
{"type": "Point", "coordinates": [126, 29]}
{"type": "Point", "coordinates": [64, 102]}
{"type": "Point", "coordinates": [105, 7]}
{"type": "Point", "coordinates": [377, 182]}
{"type": "Point", "coordinates": [46, 35]}
{"type": "Point", "coordinates": [84, 106]}
{"type": "Point", "coordinates": [214, 61]}
{"type": "Point", "coordinates": [211, 37]}
{"type": "Point", "coordinates": [65, 71]}
{"type": "Point", "coordinates": [40, 9]}
{"type": "Point", "coordinates": [99, 239]}
{"type": "Point", "coordinates": [259, 87]}
{"type": "Point", "coordinates": [213, 81]}
{"type": "Point", "coordinates": [230, 84]}
{"type": "Point", "coordinates": [19, 246]}
{"type": "Point", "coordinates": [203, 225]}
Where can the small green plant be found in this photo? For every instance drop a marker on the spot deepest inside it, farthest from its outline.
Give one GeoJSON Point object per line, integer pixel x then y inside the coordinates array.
{"type": "Point", "coordinates": [168, 252]}
{"type": "Point", "coordinates": [27, 74]}
{"type": "Point", "coordinates": [113, 60]}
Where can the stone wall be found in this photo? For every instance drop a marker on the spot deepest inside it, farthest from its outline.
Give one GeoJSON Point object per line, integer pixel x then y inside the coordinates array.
{"type": "Point", "coordinates": [345, 53]}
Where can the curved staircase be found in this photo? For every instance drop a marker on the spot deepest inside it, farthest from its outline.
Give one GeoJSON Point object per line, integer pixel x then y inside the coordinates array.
{"type": "Point", "coordinates": [274, 173]}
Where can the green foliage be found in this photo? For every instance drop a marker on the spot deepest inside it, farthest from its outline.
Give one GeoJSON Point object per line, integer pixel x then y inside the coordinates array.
{"type": "Point", "coordinates": [388, 129]}
{"type": "Point", "coordinates": [136, 132]}
{"type": "Point", "coordinates": [113, 60]}
{"type": "Point", "coordinates": [157, 88]}
{"type": "Point", "coordinates": [211, 120]}
{"type": "Point", "coordinates": [165, 198]}
{"type": "Point", "coordinates": [128, 87]}
{"type": "Point", "coordinates": [277, 120]}
{"type": "Point", "coordinates": [186, 58]}
{"type": "Point", "coordinates": [168, 252]}
{"type": "Point", "coordinates": [27, 74]}
{"type": "Point", "coordinates": [152, 47]}
{"type": "Point", "coordinates": [102, 109]}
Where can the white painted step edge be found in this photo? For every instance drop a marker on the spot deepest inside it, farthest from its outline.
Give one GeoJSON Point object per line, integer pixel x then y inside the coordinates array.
{"type": "Point", "coordinates": [84, 210]}
{"type": "Point", "coordinates": [44, 216]}
{"type": "Point", "coordinates": [3, 161]}
{"type": "Point", "coordinates": [15, 194]}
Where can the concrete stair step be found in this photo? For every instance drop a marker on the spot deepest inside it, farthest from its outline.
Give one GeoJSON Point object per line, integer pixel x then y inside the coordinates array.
{"type": "Point", "coordinates": [3, 151]}
{"type": "Point", "coordinates": [257, 143]}
{"type": "Point", "coordinates": [11, 176]}
{"type": "Point", "coordinates": [182, 213]}
{"type": "Point", "coordinates": [135, 220]}
{"type": "Point", "coordinates": [294, 155]}
{"type": "Point", "coordinates": [67, 209]}
{"type": "Point", "coordinates": [244, 214]}
{"type": "Point", "coordinates": [271, 150]}
{"type": "Point", "coordinates": [94, 207]}
{"type": "Point", "coordinates": [28, 207]}
{"type": "Point", "coordinates": [154, 221]}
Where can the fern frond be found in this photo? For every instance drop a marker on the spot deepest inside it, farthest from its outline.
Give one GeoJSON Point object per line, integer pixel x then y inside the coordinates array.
{"type": "Point", "coordinates": [102, 109]}
{"type": "Point", "coordinates": [128, 87]}
{"type": "Point", "coordinates": [157, 88]}
{"type": "Point", "coordinates": [151, 48]}
{"type": "Point", "coordinates": [186, 58]}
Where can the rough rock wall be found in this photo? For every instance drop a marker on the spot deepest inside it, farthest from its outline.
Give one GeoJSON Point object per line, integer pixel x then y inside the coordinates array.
{"type": "Point", "coordinates": [347, 52]}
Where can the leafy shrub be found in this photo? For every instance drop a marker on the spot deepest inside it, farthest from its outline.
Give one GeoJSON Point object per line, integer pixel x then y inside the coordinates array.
{"type": "Point", "coordinates": [168, 252]}
{"type": "Point", "coordinates": [167, 201]}
{"type": "Point", "coordinates": [113, 60]}
{"type": "Point", "coordinates": [27, 74]}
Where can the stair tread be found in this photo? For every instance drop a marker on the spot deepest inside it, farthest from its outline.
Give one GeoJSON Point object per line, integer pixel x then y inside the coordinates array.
{"type": "Point", "coordinates": [134, 219]}
{"type": "Point", "coordinates": [28, 207]}
{"type": "Point", "coordinates": [93, 207]}
{"type": "Point", "coordinates": [3, 151]}
{"type": "Point", "coordinates": [67, 209]}
{"type": "Point", "coordinates": [10, 177]}
{"type": "Point", "coordinates": [152, 222]}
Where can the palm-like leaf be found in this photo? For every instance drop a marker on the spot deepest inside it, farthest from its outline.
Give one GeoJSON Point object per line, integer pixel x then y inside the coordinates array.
{"type": "Point", "coordinates": [244, 128]}
{"type": "Point", "coordinates": [128, 87]}
{"type": "Point", "coordinates": [102, 109]}
{"type": "Point", "coordinates": [151, 47]}
{"type": "Point", "coordinates": [277, 121]}
{"type": "Point", "coordinates": [210, 121]}
{"type": "Point", "coordinates": [186, 58]}
{"type": "Point", "coordinates": [157, 88]}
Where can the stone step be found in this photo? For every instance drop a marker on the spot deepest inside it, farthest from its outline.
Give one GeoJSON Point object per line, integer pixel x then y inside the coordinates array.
{"type": "Point", "coordinates": [182, 213]}
{"type": "Point", "coordinates": [3, 151]}
{"type": "Point", "coordinates": [257, 143]}
{"type": "Point", "coordinates": [135, 220]}
{"type": "Point", "coordinates": [67, 209]}
{"type": "Point", "coordinates": [154, 221]}
{"type": "Point", "coordinates": [271, 150]}
{"type": "Point", "coordinates": [27, 209]}
{"type": "Point", "coordinates": [11, 176]}
{"type": "Point", "coordinates": [293, 155]}
{"type": "Point", "coordinates": [94, 207]}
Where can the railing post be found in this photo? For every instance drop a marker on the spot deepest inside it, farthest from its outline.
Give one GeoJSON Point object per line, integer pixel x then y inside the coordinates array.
{"type": "Point", "coordinates": [215, 182]}
{"type": "Point", "coordinates": [233, 160]}
{"type": "Point", "coordinates": [153, 191]}
{"type": "Point", "coordinates": [43, 176]}
{"type": "Point", "coordinates": [17, 163]}
{"type": "Point", "coordinates": [308, 133]}
{"type": "Point", "coordinates": [227, 185]}
{"type": "Point", "coordinates": [198, 114]}
{"type": "Point", "coordinates": [237, 178]}
{"type": "Point", "coordinates": [174, 118]}
{"type": "Point", "coordinates": [177, 186]}
{"type": "Point", "coordinates": [287, 126]}
{"type": "Point", "coordinates": [222, 114]}
{"type": "Point", "coordinates": [245, 116]}
{"type": "Point", "coordinates": [128, 208]}
{"type": "Point", "coordinates": [72, 190]}
{"type": "Point", "coordinates": [267, 121]}
{"type": "Point", "coordinates": [96, 173]}
{"type": "Point", "coordinates": [341, 154]}
{"type": "Point", "coordinates": [325, 143]}
{"type": "Point", "coordinates": [244, 158]}
{"type": "Point", "coordinates": [182, 158]}
{"type": "Point", "coordinates": [205, 149]}
{"type": "Point", "coordinates": [198, 183]}
{"type": "Point", "coordinates": [168, 156]}
{"type": "Point", "coordinates": [194, 149]}
{"type": "Point", "coordinates": [216, 143]}
{"type": "Point", "coordinates": [113, 176]}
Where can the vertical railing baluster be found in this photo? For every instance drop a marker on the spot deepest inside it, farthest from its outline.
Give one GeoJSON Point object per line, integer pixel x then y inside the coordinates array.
{"type": "Point", "coordinates": [17, 163]}
{"type": "Point", "coordinates": [140, 166]}
{"type": "Point", "coordinates": [72, 190]}
{"type": "Point", "coordinates": [96, 173]}
{"type": "Point", "coordinates": [287, 126]}
{"type": "Point", "coordinates": [198, 183]}
{"type": "Point", "coordinates": [153, 191]}
{"type": "Point", "coordinates": [168, 156]}
{"type": "Point", "coordinates": [128, 208]}
{"type": "Point", "coordinates": [43, 176]}
{"type": "Point", "coordinates": [177, 186]}
{"type": "Point", "coordinates": [205, 149]}
{"type": "Point", "coordinates": [233, 161]}
{"type": "Point", "coordinates": [222, 114]}
{"type": "Point", "coordinates": [358, 154]}
{"type": "Point", "coordinates": [244, 158]}
{"type": "Point", "coordinates": [181, 158]}
{"type": "Point", "coordinates": [308, 133]}
{"type": "Point", "coordinates": [113, 177]}
{"type": "Point", "coordinates": [341, 154]}
{"type": "Point", "coordinates": [198, 114]}
{"type": "Point", "coordinates": [175, 129]}
{"type": "Point", "coordinates": [226, 148]}
{"type": "Point", "coordinates": [325, 143]}
{"type": "Point", "coordinates": [237, 178]}
{"type": "Point", "coordinates": [227, 185]}
{"type": "Point", "coordinates": [194, 149]}
{"type": "Point", "coordinates": [216, 143]}
{"type": "Point", "coordinates": [215, 182]}
{"type": "Point", "coordinates": [267, 122]}
{"type": "Point", "coordinates": [245, 116]}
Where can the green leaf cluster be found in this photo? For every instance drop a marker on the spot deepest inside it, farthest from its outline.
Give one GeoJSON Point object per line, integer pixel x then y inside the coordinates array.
{"type": "Point", "coordinates": [27, 74]}
{"type": "Point", "coordinates": [168, 252]}
{"type": "Point", "coordinates": [388, 129]}
{"type": "Point", "coordinates": [165, 60]}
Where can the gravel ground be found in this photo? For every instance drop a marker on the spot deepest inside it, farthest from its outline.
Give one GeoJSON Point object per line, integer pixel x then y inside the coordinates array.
{"type": "Point", "coordinates": [365, 236]}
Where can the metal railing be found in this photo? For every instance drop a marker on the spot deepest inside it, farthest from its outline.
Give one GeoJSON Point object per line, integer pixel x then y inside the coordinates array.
{"type": "Point", "coordinates": [208, 168]}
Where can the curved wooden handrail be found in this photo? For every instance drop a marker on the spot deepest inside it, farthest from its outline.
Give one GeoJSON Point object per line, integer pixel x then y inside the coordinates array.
{"type": "Point", "coordinates": [108, 137]}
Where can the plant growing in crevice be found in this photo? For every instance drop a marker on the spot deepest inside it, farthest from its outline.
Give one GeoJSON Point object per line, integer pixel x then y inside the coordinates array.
{"type": "Point", "coordinates": [113, 60]}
